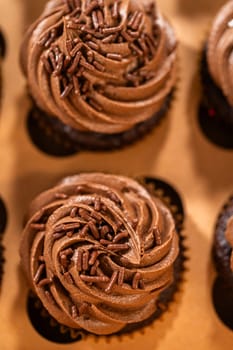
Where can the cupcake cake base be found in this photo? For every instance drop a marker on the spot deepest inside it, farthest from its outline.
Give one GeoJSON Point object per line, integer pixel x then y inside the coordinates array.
{"type": "Point", "coordinates": [215, 115]}
{"type": "Point", "coordinates": [49, 328]}
{"type": "Point", "coordinates": [51, 136]}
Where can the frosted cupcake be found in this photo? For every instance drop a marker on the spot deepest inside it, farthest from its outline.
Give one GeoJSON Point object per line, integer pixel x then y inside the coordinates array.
{"type": "Point", "coordinates": [101, 73]}
{"type": "Point", "coordinates": [223, 258]}
{"type": "Point", "coordinates": [101, 252]}
{"type": "Point", "coordinates": [217, 79]}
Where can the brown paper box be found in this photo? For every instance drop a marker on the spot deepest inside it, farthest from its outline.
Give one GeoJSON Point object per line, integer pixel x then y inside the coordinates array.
{"type": "Point", "coordinates": [176, 151]}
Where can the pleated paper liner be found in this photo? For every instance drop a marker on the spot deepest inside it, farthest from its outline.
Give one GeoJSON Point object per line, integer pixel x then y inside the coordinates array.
{"type": "Point", "coordinates": [54, 138]}
{"type": "Point", "coordinates": [215, 115]}
{"type": "Point", "coordinates": [222, 291]}
{"type": "Point", "coordinates": [3, 221]}
{"type": "Point", "coordinates": [3, 212]}
{"type": "Point", "coordinates": [48, 328]}
{"type": "Point", "coordinates": [2, 45]}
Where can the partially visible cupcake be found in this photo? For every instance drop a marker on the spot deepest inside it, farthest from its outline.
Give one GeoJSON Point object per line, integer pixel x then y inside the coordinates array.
{"type": "Point", "coordinates": [217, 78]}
{"type": "Point", "coordinates": [223, 258]}
{"type": "Point", "coordinates": [2, 206]}
{"type": "Point", "coordinates": [101, 73]}
{"type": "Point", "coordinates": [100, 252]}
{"type": "Point", "coordinates": [2, 53]}
{"type": "Point", "coordinates": [223, 244]}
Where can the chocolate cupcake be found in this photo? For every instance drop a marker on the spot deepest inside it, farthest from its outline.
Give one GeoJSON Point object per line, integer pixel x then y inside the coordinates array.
{"type": "Point", "coordinates": [101, 253]}
{"type": "Point", "coordinates": [3, 214]}
{"type": "Point", "coordinates": [2, 53]}
{"type": "Point", "coordinates": [101, 73]}
{"type": "Point", "coordinates": [216, 110]}
{"type": "Point", "coordinates": [223, 257]}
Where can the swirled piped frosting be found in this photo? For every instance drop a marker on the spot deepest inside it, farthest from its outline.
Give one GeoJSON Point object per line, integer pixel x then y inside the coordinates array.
{"type": "Point", "coordinates": [220, 52]}
{"type": "Point", "coordinates": [98, 250]}
{"type": "Point", "coordinates": [101, 65]}
{"type": "Point", "coordinates": [229, 237]}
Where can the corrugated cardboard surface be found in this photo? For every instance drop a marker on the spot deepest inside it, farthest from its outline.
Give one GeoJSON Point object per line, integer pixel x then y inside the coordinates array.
{"type": "Point", "coordinates": [176, 151]}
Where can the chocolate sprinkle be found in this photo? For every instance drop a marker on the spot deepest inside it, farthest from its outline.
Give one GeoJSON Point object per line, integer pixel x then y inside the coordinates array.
{"type": "Point", "coordinates": [83, 309]}
{"type": "Point", "coordinates": [39, 273]}
{"type": "Point", "coordinates": [49, 297]}
{"type": "Point", "coordinates": [85, 260]}
{"type": "Point", "coordinates": [112, 282]}
{"type": "Point", "coordinates": [157, 236]}
{"type": "Point", "coordinates": [74, 312]}
{"type": "Point", "coordinates": [120, 236]}
{"type": "Point", "coordinates": [94, 230]}
{"type": "Point", "coordinates": [114, 56]}
{"type": "Point", "coordinates": [136, 280]}
{"type": "Point", "coordinates": [68, 278]}
{"type": "Point", "coordinates": [94, 268]}
{"type": "Point", "coordinates": [44, 282]}
{"type": "Point", "coordinates": [94, 256]}
{"type": "Point", "coordinates": [37, 226]}
{"type": "Point", "coordinates": [118, 247]}
{"type": "Point", "coordinates": [121, 276]}
{"type": "Point", "coordinates": [93, 279]}
{"type": "Point", "coordinates": [73, 212]}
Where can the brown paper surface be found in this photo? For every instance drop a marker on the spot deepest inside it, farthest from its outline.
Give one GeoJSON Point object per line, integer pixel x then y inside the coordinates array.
{"type": "Point", "coordinates": [176, 151]}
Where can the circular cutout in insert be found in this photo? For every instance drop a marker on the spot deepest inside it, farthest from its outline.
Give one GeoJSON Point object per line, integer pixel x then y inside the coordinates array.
{"type": "Point", "coordinates": [223, 302]}
{"type": "Point", "coordinates": [46, 326]}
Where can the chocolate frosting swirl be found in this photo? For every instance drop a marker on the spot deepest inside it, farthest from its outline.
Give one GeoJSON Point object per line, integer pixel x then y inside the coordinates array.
{"type": "Point", "coordinates": [100, 65]}
{"type": "Point", "coordinates": [98, 250]}
{"type": "Point", "coordinates": [220, 52]}
{"type": "Point", "coordinates": [229, 237]}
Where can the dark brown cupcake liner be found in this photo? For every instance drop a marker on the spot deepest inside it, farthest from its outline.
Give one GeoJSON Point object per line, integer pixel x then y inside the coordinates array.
{"type": "Point", "coordinates": [3, 222]}
{"type": "Point", "coordinates": [46, 326]}
{"type": "Point", "coordinates": [215, 115]}
{"type": "Point", "coordinates": [222, 292]}
{"type": "Point", "coordinates": [52, 137]}
{"type": "Point", "coordinates": [2, 45]}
